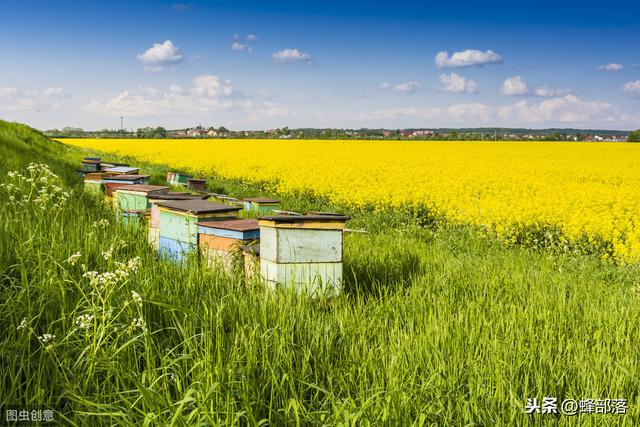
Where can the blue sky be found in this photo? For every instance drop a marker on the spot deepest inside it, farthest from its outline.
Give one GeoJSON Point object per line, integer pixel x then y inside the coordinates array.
{"type": "Point", "coordinates": [263, 64]}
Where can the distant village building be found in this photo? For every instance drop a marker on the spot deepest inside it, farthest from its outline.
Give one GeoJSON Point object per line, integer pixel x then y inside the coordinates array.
{"type": "Point", "coordinates": [197, 131]}
{"type": "Point", "coordinates": [417, 133]}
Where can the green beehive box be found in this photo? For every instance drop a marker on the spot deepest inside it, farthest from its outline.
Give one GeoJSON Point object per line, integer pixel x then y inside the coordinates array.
{"type": "Point", "coordinates": [136, 197]}
{"type": "Point", "coordinates": [178, 218]}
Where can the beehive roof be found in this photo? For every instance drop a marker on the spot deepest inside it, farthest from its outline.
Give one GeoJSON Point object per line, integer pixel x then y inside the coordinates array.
{"type": "Point", "coordinates": [304, 218]}
{"type": "Point", "coordinates": [316, 213]}
{"type": "Point", "coordinates": [177, 196]}
{"type": "Point", "coordinates": [143, 188]}
{"type": "Point", "coordinates": [123, 169]}
{"type": "Point", "coordinates": [128, 177]}
{"type": "Point", "coordinates": [197, 206]}
{"type": "Point", "coordinates": [233, 224]}
{"type": "Point", "coordinates": [261, 200]}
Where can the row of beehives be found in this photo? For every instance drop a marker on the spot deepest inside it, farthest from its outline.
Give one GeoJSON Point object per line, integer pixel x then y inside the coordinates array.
{"type": "Point", "coordinates": [304, 251]}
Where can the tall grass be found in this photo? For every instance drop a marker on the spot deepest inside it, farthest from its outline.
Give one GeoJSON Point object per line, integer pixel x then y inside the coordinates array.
{"type": "Point", "coordinates": [437, 326]}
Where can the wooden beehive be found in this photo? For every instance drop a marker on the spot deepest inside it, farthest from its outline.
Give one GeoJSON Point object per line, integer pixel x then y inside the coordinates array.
{"type": "Point", "coordinates": [163, 197]}
{"type": "Point", "coordinates": [197, 184]}
{"type": "Point", "coordinates": [304, 252]}
{"type": "Point", "coordinates": [262, 205]}
{"type": "Point", "coordinates": [136, 197]}
{"type": "Point", "coordinates": [177, 222]}
{"type": "Point", "coordinates": [178, 178]}
{"type": "Point", "coordinates": [220, 241]}
{"type": "Point", "coordinates": [91, 164]}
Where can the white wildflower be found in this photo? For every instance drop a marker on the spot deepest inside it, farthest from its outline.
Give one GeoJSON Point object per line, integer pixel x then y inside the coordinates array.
{"type": "Point", "coordinates": [139, 323]}
{"type": "Point", "coordinates": [45, 338]}
{"type": "Point", "coordinates": [73, 258]}
{"type": "Point", "coordinates": [106, 255]}
{"type": "Point", "coordinates": [84, 321]}
{"type": "Point", "coordinates": [136, 297]}
{"type": "Point", "coordinates": [23, 325]}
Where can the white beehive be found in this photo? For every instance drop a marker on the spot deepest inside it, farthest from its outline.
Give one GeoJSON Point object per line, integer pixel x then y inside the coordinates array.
{"type": "Point", "coordinates": [303, 251]}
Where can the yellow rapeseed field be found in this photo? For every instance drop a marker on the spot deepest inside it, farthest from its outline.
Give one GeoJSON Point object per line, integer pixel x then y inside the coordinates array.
{"type": "Point", "coordinates": [567, 194]}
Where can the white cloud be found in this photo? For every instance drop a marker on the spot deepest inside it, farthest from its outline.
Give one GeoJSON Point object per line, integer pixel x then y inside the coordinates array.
{"type": "Point", "coordinates": [457, 84]}
{"type": "Point", "coordinates": [518, 86]}
{"type": "Point", "coordinates": [566, 109]}
{"type": "Point", "coordinates": [466, 58]}
{"type": "Point", "coordinates": [208, 93]}
{"type": "Point", "coordinates": [212, 86]}
{"type": "Point", "coordinates": [258, 111]}
{"type": "Point", "coordinates": [251, 37]}
{"type": "Point", "coordinates": [240, 47]}
{"type": "Point", "coordinates": [515, 86]}
{"type": "Point", "coordinates": [13, 99]}
{"type": "Point", "coordinates": [384, 86]}
{"type": "Point", "coordinates": [632, 88]}
{"type": "Point", "coordinates": [545, 91]}
{"type": "Point", "coordinates": [408, 87]}
{"type": "Point", "coordinates": [610, 67]}
{"type": "Point", "coordinates": [160, 55]}
{"type": "Point", "coordinates": [56, 92]}
{"type": "Point", "coordinates": [8, 92]}
{"type": "Point", "coordinates": [290, 55]}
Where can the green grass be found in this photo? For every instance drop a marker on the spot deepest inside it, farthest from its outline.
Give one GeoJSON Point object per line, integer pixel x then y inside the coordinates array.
{"type": "Point", "coordinates": [438, 325]}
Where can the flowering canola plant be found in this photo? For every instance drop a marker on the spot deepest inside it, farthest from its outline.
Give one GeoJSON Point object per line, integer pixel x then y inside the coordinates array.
{"type": "Point", "coordinates": [562, 193]}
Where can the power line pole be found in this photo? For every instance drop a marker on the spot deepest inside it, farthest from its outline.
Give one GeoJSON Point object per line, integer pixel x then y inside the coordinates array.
{"type": "Point", "coordinates": [121, 123]}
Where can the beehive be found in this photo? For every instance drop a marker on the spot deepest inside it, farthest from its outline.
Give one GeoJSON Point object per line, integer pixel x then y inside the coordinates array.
{"type": "Point", "coordinates": [197, 184]}
{"type": "Point", "coordinates": [154, 219]}
{"type": "Point", "coordinates": [178, 178]}
{"type": "Point", "coordinates": [91, 164]}
{"type": "Point", "coordinates": [304, 252]}
{"type": "Point", "coordinates": [261, 205]}
{"type": "Point", "coordinates": [94, 181]}
{"type": "Point", "coordinates": [135, 197]}
{"type": "Point", "coordinates": [220, 241]}
{"type": "Point", "coordinates": [177, 222]}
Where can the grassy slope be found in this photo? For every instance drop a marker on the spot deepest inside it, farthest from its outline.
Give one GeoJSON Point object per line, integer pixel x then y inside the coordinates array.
{"type": "Point", "coordinates": [438, 325]}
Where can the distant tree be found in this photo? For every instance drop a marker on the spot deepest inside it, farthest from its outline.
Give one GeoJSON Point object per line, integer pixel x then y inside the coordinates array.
{"type": "Point", "coordinates": [223, 129]}
{"type": "Point", "coordinates": [634, 136]}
